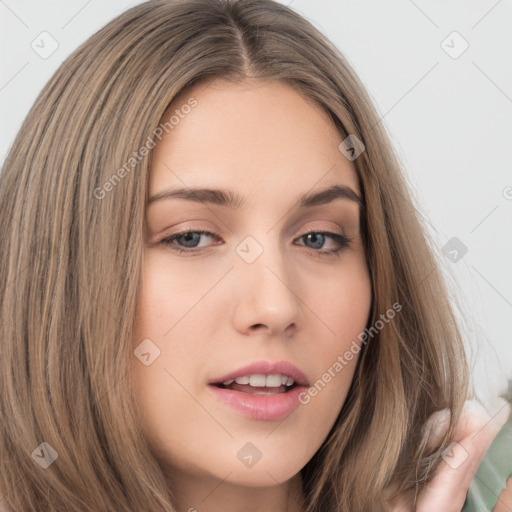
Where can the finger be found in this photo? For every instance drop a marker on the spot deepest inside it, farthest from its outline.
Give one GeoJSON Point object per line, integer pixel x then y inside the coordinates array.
{"type": "Point", "coordinates": [473, 435]}
{"type": "Point", "coordinates": [473, 419]}
{"type": "Point", "coordinates": [447, 491]}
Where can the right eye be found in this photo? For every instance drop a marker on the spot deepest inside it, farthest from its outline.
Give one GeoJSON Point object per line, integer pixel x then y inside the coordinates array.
{"type": "Point", "coordinates": [189, 237]}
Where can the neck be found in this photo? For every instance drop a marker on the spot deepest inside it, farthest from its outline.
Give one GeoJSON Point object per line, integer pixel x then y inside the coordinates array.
{"type": "Point", "coordinates": [194, 493]}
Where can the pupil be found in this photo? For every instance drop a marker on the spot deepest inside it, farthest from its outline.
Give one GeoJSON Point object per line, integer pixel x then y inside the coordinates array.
{"type": "Point", "coordinates": [316, 237]}
{"type": "Point", "coordinates": [191, 235]}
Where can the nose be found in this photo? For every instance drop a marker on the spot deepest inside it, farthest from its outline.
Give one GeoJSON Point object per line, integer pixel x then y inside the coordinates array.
{"type": "Point", "coordinates": [265, 297]}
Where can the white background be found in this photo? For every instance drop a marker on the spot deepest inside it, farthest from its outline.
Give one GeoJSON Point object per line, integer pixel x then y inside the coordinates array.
{"type": "Point", "coordinates": [450, 120]}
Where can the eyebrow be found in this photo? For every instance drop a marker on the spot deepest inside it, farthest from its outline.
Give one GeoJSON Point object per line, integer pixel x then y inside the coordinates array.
{"type": "Point", "coordinates": [229, 199]}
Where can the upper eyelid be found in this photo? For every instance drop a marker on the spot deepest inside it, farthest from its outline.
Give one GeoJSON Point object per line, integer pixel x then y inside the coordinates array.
{"type": "Point", "coordinates": [173, 236]}
{"type": "Point", "coordinates": [213, 234]}
{"type": "Point", "coordinates": [339, 230]}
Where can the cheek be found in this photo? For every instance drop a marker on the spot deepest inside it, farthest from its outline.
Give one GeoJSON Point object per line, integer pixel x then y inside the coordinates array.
{"type": "Point", "coordinates": [165, 295]}
{"type": "Point", "coordinates": [170, 325]}
{"type": "Point", "coordinates": [341, 303]}
{"type": "Point", "coordinates": [173, 304]}
{"type": "Point", "coordinates": [342, 306]}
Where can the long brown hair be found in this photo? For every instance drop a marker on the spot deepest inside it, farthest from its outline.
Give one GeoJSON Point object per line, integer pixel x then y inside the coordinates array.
{"type": "Point", "coordinates": [71, 260]}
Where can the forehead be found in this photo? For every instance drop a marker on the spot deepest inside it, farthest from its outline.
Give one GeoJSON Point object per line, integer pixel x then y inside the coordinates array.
{"type": "Point", "coordinates": [253, 136]}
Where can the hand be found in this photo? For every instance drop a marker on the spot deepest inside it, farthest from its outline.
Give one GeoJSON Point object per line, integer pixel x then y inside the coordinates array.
{"type": "Point", "coordinates": [474, 434]}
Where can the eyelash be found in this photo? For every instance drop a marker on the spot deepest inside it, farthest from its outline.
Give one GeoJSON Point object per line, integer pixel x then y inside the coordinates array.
{"type": "Point", "coordinates": [343, 241]}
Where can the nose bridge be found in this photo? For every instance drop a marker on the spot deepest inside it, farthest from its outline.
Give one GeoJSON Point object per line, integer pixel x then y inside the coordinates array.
{"type": "Point", "coordinates": [266, 294]}
{"type": "Point", "coordinates": [262, 260]}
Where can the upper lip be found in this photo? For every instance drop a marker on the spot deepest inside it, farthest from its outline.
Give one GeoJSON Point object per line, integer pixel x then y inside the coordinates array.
{"type": "Point", "coordinates": [266, 368]}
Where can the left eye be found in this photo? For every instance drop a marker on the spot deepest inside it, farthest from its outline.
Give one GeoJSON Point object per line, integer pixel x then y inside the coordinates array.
{"type": "Point", "coordinates": [190, 240]}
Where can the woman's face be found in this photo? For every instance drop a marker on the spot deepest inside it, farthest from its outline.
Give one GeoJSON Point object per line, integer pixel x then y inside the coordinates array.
{"type": "Point", "coordinates": [256, 289]}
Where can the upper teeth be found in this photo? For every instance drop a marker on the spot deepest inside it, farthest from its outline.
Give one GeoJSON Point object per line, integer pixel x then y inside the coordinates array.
{"type": "Point", "coordinates": [269, 381]}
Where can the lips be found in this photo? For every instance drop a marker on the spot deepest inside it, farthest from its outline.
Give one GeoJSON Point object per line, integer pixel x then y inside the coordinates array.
{"type": "Point", "coordinates": [268, 403]}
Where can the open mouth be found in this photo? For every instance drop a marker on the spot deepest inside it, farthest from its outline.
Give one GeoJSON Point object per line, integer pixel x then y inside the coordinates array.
{"type": "Point", "coordinates": [256, 390]}
{"type": "Point", "coordinates": [265, 397]}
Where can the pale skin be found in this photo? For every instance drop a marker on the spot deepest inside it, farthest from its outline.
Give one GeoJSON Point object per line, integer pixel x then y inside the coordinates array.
{"type": "Point", "coordinates": [210, 312]}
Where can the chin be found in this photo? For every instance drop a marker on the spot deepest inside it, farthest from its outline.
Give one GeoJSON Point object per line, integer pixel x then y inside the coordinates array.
{"type": "Point", "coordinates": [271, 469]}
{"type": "Point", "coordinates": [264, 476]}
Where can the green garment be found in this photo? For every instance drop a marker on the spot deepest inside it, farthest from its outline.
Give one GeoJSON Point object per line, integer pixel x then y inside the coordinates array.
{"type": "Point", "coordinates": [494, 470]}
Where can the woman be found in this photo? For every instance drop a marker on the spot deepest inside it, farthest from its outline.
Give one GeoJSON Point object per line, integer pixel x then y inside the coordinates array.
{"type": "Point", "coordinates": [171, 340]}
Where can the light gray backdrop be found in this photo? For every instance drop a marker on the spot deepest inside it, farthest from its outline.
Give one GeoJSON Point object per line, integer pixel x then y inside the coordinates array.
{"type": "Point", "coordinates": [440, 74]}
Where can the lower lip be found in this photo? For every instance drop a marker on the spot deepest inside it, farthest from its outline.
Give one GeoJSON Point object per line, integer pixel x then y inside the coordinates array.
{"type": "Point", "coordinates": [260, 407]}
